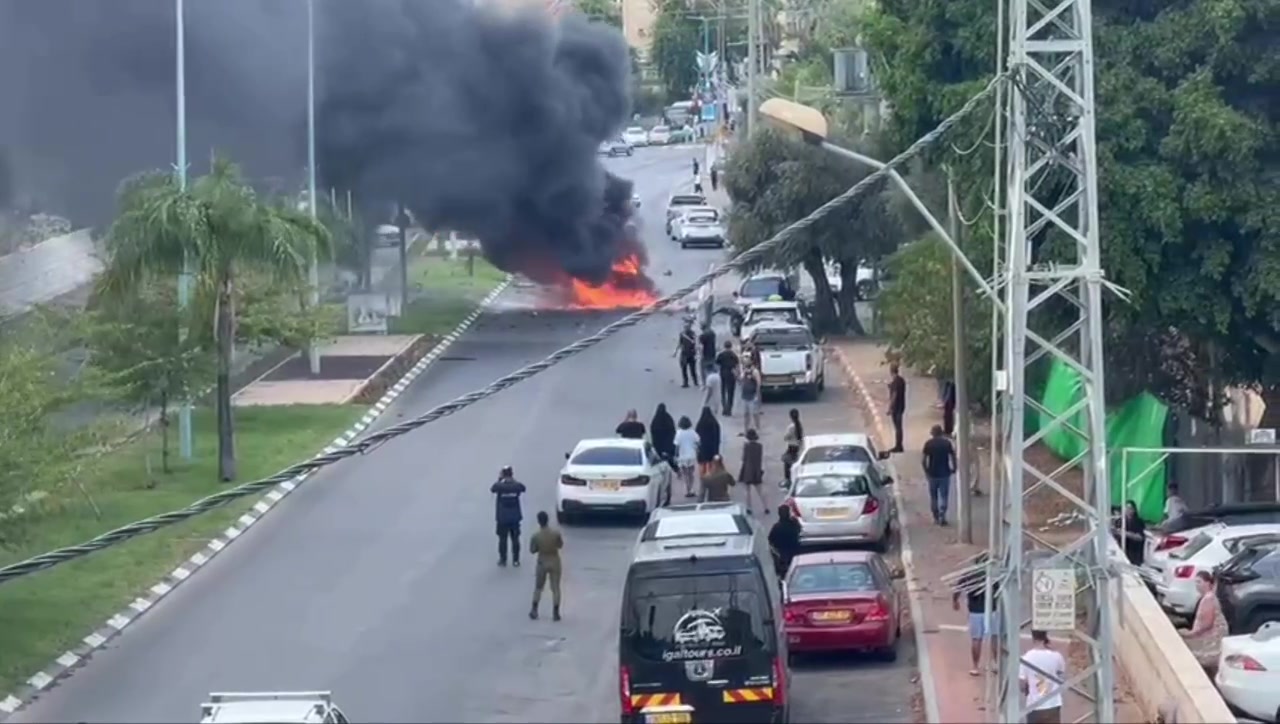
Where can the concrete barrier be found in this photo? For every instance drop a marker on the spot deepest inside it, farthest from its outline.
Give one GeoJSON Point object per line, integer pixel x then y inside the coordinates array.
{"type": "Point", "coordinates": [1165, 676]}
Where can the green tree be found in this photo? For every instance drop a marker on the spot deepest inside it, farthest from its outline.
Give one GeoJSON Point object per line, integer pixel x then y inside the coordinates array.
{"type": "Point", "coordinates": [1187, 146]}
{"type": "Point", "coordinates": [221, 226]}
{"type": "Point", "coordinates": [602, 11]}
{"type": "Point", "coordinates": [677, 38]}
{"type": "Point", "coordinates": [774, 181]}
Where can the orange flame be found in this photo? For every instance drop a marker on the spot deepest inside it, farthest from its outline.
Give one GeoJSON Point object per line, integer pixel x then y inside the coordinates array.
{"type": "Point", "coordinates": [626, 288]}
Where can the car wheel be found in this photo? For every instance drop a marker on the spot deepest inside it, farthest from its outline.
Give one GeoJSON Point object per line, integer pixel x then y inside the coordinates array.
{"type": "Point", "coordinates": [792, 659]}
{"type": "Point", "coordinates": [684, 245]}
{"type": "Point", "coordinates": [562, 518]}
{"type": "Point", "coordinates": [889, 654]}
{"type": "Point", "coordinates": [882, 545]}
{"type": "Point", "coordinates": [814, 391]}
{"type": "Point", "coordinates": [822, 383]}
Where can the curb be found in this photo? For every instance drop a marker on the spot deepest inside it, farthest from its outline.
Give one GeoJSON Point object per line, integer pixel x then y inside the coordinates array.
{"type": "Point", "coordinates": [876, 420]}
{"type": "Point", "coordinates": [70, 660]}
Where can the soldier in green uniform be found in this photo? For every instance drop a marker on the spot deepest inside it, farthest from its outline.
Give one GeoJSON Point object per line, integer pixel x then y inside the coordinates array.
{"type": "Point", "coordinates": [546, 545]}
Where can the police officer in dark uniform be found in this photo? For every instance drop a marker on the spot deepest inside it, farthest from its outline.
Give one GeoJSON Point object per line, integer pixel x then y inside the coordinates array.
{"type": "Point", "coordinates": [507, 513]}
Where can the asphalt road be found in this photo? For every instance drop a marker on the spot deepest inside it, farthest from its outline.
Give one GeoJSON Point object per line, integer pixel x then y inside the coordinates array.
{"type": "Point", "coordinates": [377, 580]}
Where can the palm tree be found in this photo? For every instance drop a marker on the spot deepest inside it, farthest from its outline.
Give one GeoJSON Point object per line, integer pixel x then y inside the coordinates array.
{"type": "Point", "coordinates": [223, 228]}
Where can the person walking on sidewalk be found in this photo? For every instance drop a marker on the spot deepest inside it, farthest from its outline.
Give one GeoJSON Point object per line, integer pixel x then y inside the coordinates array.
{"type": "Point", "coordinates": [793, 438]}
{"type": "Point", "coordinates": [687, 351]}
{"type": "Point", "coordinates": [897, 405]}
{"type": "Point", "coordinates": [973, 587]}
{"type": "Point", "coordinates": [546, 545]}
{"type": "Point", "coordinates": [752, 473]}
{"type": "Point", "coordinates": [507, 514]}
{"type": "Point", "coordinates": [686, 443]}
{"type": "Point", "coordinates": [939, 460]}
{"type": "Point", "coordinates": [1043, 670]}
{"type": "Point", "coordinates": [727, 362]}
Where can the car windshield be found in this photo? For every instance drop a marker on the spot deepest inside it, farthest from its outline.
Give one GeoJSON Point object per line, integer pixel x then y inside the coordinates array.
{"type": "Point", "coordinates": [661, 129]}
{"type": "Point", "coordinates": [1194, 546]}
{"type": "Point", "coordinates": [789, 316]}
{"type": "Point", "coordinates": [694, 618]}
{"type": "Point", "coordinates": [702, 217]}
{"type": "Point", "coordinates": [633, 129]}
{"type": "Point", "coordinates": [832, 578]}
{"type": "Point", "coordinates": [608, 455]}
{"type": "Point", "coordinates": [831, 486]}
{"type": "Point", "coordinates": [687, 201]}
{"type": "Point", "coordinates": [761, 288]}
{"type": "Point", "coordinates": [782, 338]}
{"type": "Point", "coordinates": [837, 454]}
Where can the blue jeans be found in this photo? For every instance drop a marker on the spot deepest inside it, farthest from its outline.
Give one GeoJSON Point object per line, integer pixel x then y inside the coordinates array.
{"type": "Point", "coordinates": [939, 496]}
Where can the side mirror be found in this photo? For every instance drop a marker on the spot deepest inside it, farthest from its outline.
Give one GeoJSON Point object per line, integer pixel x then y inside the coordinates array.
{"type": "Point", "coordinates": [883, 455]}
{"type": "Point", "coordinates": [897, 573]}
{"type": "Point", "coordinates": [566, 456]}
{"type": "Point", "coordinates": [887, 480]}
{"type": "Point", "coordinates": [735, 295]}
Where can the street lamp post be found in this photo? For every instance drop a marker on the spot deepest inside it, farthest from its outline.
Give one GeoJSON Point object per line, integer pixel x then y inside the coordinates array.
{"type": "Point", "coordinates": [184, 279]}
{"type": "Point", "coordinates": [313, 272]}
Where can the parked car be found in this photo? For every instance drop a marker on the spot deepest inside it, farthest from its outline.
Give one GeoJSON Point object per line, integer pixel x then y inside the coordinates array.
{"type": "Point", "coordinates": [790, 359]}
{"type": "Point", "coordinates": [1249, 588]}
{"type": "Point", "coordinates": [700, 226]}
{"type": "Point", "coordinates": [612, 475]}
{"type": "Point", "coordinates": [842, 601]}
{"type": "Point", "coordinates": [773, 312]}
{"type": "Point", "coordinates": [659, 136]}
{"type": "Point", "coordinates": [839, 503]}
{"type": "Point", "coordinates": [1249, 673]}
{"type": "Point", "coordinates": [635, 136]}
{"type": "Point", "coordinates": [1171, 535]}
{"type": "Point", "coordinates": [615, 147]}
{"type": "Point", "coordinates": [866, 278]}
{"type": "Point", "coordinates": [842, 447]}
{"type": "Point", "coordinates": [1209, 548]}
{"type": "Point", "coordinates": [760, 287]}
{"type": "Point", "coordinates": [678, 204]}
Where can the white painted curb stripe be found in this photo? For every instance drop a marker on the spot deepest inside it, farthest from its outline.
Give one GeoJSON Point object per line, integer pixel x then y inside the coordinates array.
{"type": "Point", "coordinates": [923, 663]}
{"type": "Point", "coordinates": [70, 660]}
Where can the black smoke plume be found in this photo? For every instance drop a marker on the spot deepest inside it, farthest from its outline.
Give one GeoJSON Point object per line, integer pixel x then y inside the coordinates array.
{"type": "Point", "coordinates": [481, 120]}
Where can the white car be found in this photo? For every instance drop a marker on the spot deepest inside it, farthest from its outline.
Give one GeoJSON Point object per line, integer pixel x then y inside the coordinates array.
{"type": "Point", "coordinates": [864, 277]}
{"type": "Point", "coordinates": [1158, 548]}
{"type": "Point", "coordinates": [1204, 552]}
{"type": "Point", "coordinates": [759, 287]}
{"type": "Point", "coordinates": [1249, 672]}
{"type": "Point", "coordinates": [659, 136]}
{"type": "Point", "coordinates": [842, 502]}
{"type": "Point", "coordinates": [772, 313]}
{"type": "Point", "coordinates": [842, 447]}
{"type": "Point", "coordinates": [612, 475]}
{"type": "Point", "coordinates": [699, 226]}
{"type": "Point", "coordinates": [790, 359]}
{"type": "Point", "coordinates": [635, 137]}
{"type": "Point", "coordinates": [292, 707]}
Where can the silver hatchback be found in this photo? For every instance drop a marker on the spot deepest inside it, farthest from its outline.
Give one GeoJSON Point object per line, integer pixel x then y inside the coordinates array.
{"type": "Point", "coordinates": [842, 502]}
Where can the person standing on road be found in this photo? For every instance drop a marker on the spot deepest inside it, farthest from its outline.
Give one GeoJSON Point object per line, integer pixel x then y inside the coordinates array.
{"type": "Point", "coordinates": [707, 344]}
{"type": "Point", "coordinates": [715, 178]}
{"type": "Point", "coordinates": [711, 386]}
{"type": "Point", "coordinates": [687, 350]}
{"type": "Point", "coordinates": [546, 545]}
{"type": "Point", "coordinates": [686, 442]}
{"type": "Point", "coordinates": [727, 363]}
{"type": "Point", "coordinates": [695, 167]}
{"type": "Point", "coordinates": [1042, 670]}
{"type": "Point", "coordinates": [716, 484]}
{"type": "Point", "coordinates": [784, 541]}
{"type": "Point", "coordinates": [939, 460]}
{"type": "Point", "coordinates": [897, 405]}
{"type": "Point", "coordinates": [631, 428]}
{"type": "Point", "coordinates": [697, 184]}
{"type": "Point", "coordinates": [973, 586]}
{"type": "Point", "coordinates": [793, 438]}
{"type": "Point", "coordinates": [507, 514]}
{"type": "Point", "coordinates": [662, 433]}
{"type": "Point", "coordinates": [750, 397]}
{"type": "Point", "coordinates": [708, 429]}
{"type": "Point", "coordinates": [752, 473]}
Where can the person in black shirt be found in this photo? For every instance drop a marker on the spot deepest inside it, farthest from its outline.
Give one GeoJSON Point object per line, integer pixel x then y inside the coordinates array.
{"type": "Point", "coordinates": [949, 408]}
{"type": "Point", "coordinates": [897, 405]}
{"type": "Point", "coordinates": [939, 460]}
{"type": "Point", "coordinates": [784, 540]}
{"type": "Point", "coordinates": [1134, 539]}
{"type": "Point", "coordinates": [973, 586]}
{"type": "Point", "coordinates": [508, 514]}
{"type": "Point", "coordinates": [727, 361]}
{"type": "Point", "coordinates": [631, 428]}
{"type": "Point", "coordinates": [687, 350]}
{"type": "Point", "coordinates": [707, 340]}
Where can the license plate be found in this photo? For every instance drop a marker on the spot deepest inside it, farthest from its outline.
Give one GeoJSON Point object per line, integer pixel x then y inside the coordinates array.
{"type": "Point", "coordinates": [832, 616]}
{"type": "Point", "coordinates": [669, 717]}
{"type": "Point", "coordinates": [609, 486]}
{"type": "Point", "coordinates": [832, 512]}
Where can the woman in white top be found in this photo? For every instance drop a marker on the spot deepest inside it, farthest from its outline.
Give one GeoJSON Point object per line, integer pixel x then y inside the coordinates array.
{"type": "Point", "coordinates": [686, 453]}
{"type": "Point", "coordinates": [1041, 675]}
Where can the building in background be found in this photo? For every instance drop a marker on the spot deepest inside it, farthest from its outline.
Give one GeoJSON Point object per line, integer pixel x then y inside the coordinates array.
{"type": "Point", "coordinates": [638, 18]}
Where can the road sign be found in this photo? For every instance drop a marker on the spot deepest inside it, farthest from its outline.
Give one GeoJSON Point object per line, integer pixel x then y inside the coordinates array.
{"type": "Point", "coordinates": [707, 62]}
{"type": "Point", "coordinates": [1053, 599]}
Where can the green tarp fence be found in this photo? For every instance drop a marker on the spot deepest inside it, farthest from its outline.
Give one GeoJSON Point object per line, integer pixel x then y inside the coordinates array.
{"type": "Point", "coordinates": [1139, 423]}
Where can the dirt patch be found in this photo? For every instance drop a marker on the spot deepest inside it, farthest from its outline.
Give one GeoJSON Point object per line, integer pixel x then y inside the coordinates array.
{"type": "Point", "coordinates": [378, 385]}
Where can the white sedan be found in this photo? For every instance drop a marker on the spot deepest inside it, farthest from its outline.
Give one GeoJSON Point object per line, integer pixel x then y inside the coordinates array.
{"type": "Point", "coordinates": [1249, 672]}
{"type": "Point", "coordinates": [635, 136]}
{"type": "Point", "coordinates": [1204, 552]}
{"type": "Point", "coordinates": [612, 475]}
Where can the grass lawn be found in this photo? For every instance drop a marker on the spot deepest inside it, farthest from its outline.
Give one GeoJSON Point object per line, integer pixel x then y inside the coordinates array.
{"type": "Point", "coordinates": [46, 613]}
{"type": "Point", "coordinates": [444, 293]}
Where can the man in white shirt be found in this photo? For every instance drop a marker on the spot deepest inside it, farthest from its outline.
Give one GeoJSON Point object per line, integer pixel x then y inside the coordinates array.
{"type": "Point", "coordinates": [1174, 505]}
{"type": "Point", "coordinates": [711, 387]}
{"type": "Point", "coordinates": [1046, 707]}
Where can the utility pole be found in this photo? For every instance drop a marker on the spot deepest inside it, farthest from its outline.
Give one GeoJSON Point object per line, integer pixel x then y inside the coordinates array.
{"type": "Point", "coordinates": [753, 61]}
{"type": "Point", "coordinates": [961, 371]}
{"type": "Point", "coordinates": [1051, 132]}
{"type": "Point", "coordinates": [313, 272]}
{"type": "Point", "coordinates": [402, 222]}
{"type": "Point", "coordinates": [184, 279]}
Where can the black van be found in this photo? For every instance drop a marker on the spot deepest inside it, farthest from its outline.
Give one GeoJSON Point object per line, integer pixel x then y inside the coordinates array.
{"type": "Point", "coordinates": [701, 637]}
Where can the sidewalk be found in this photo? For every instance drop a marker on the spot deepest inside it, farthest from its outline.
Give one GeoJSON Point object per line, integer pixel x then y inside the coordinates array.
{"type": "Point", "coordinates": [932, 551]}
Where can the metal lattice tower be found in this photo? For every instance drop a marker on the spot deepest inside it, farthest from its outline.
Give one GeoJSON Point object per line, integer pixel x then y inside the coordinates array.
{"type": "Point", "coordinates": [1052, 283]}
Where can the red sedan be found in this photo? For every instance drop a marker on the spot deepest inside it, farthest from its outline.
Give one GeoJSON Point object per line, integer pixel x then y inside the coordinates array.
{"type": "Point", "coordinates": [842, 601]}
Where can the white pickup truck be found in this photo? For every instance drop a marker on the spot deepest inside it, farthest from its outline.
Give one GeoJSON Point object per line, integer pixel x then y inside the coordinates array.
{"type": "Point", "coordinates": [790, 358]}
{"type": "Point", "coordinates": [271, 707]}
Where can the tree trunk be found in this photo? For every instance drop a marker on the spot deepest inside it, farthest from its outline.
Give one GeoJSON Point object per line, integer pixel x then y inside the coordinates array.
{"type": "Point", "coordinates": [225, 320]}
{"type": "Point", "coordinates": [164, 432]}
{"type": "Point", "coordinates": [847, 300]}
{"type": "Point", "coordinates": [825, 316]}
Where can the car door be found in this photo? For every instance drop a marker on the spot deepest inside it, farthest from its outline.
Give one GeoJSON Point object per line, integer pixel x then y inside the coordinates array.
{"type": "Point", "coordinates": [881, 466]}
{"type": "Point", "coordinates": [880, 491]}
{"type": "Point", "coordinates": [887, 582]}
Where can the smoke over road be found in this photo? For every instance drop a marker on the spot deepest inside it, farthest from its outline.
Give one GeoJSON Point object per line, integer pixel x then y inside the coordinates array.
{"type": "Point", "coordinates": [481, 121]}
